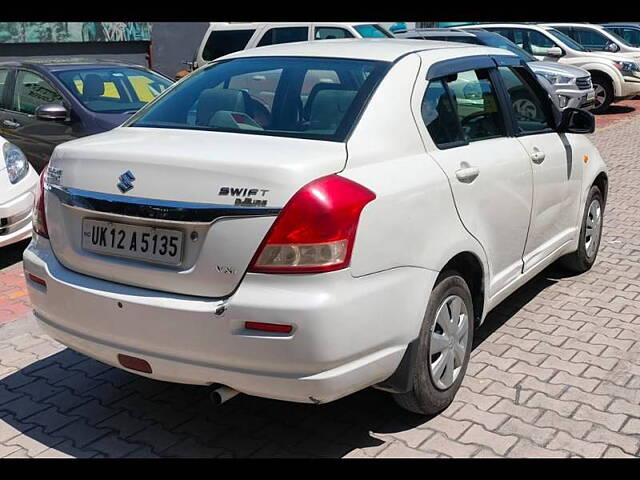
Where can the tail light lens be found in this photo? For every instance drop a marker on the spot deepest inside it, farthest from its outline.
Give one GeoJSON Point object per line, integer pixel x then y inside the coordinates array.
{"type": "Point", "coordinates": [316, 229]}
{"type": "Point", "coordinates": [39, 215]}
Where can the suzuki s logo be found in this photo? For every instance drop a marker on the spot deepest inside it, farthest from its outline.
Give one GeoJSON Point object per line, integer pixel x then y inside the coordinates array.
{"type": "Point", "coordinates": [126, 181]}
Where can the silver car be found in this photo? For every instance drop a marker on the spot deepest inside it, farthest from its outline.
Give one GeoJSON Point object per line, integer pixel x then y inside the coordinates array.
{"type": "Point", "coordinates": [569, 86]}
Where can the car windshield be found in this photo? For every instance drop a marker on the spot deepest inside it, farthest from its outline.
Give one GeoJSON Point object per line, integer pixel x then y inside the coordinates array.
{"type": "Point", "coordinates": [567, 40]}
{"type": "Point", "coordinates": [303, 97]}
{"type": "Point", "coordinates": [113, 89]}
{"type": "Point", "coordinates": [498, 41]}
{"type": "Point", "coordinates": [372, 31]}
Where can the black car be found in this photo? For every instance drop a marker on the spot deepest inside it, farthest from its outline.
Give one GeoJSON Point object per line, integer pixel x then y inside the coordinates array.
{"type": "Point", "coordinates": [48, 102]}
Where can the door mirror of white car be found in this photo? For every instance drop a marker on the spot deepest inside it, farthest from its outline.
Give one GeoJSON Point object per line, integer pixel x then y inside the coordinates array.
{"type": "Point", "coordinates": [555, 52]}
{"type": "Point", "coordinates": [51, 111]}
{"type": "Point", "coordinates": [612, 47]}
{"type": "Point", "coordinates": [576, 120]}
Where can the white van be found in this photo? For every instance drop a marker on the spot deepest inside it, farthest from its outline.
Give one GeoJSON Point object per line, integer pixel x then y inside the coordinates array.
{"type": "Point", "coordinates": [222, 38]}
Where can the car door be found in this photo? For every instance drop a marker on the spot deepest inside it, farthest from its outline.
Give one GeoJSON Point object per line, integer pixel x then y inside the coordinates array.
{"type": "Point", "coordinates": [556, 169]}
{"type": "Point", "coordinates": [6, 86]}
{"type": "Point", "coordinates": [37, 138]}
{"type": "Point", "coordinates": [487, 168]}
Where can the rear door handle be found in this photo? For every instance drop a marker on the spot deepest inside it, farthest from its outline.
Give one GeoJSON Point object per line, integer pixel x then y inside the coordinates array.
{"type": "Point", "coordinates": [537, 156]}
{"type": "Point", "coordinates": [10, 124]}
{"type": "Point", "coordinates": [467, 173]}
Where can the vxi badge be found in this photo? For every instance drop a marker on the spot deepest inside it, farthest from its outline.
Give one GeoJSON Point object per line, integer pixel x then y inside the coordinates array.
{"type": "Point", "coordinates": [245, 194]}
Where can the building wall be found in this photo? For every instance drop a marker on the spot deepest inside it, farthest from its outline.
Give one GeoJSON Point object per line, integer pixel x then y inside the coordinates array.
{"type": "Point", "coordinates": [173, 43]}
{"type": "Point", "coordinates": [130, 52]}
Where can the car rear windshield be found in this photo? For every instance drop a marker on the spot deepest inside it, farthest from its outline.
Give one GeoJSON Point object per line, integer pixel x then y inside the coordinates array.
{"type": "Point", "coordinates": [316, 98]}
{"type": "Point", "coordinates": [372, 31]}
{"type": "Point", "coordinates": [113, 89]}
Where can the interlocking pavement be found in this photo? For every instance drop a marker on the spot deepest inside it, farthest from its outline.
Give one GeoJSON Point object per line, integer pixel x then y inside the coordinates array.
{"type": "Point", "coordinates": [555, 372]}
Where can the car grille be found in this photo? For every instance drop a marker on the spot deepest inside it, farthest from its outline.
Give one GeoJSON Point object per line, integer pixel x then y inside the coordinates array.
{"type": "Point", "coordinates": [584, 83]}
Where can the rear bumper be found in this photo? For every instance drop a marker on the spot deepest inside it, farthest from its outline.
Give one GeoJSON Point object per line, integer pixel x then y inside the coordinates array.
{"type": "Point", "coordinates": [15, 218]}
{"type": "Point", "coordinates": [348, 333]}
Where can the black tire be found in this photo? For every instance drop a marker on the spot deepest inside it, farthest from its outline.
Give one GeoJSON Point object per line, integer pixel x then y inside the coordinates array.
{"type": "Point", "coordinates": [605, 83]}
{"type": "Point", "coordinates": [425, 397]}
{"type": "Point", "coordinates": [580, 261]}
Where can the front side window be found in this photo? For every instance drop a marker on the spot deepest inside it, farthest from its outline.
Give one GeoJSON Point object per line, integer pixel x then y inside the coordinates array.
{"type": "Point", "coordinates": [274, 36]}
{"type": "Point", "coordinates": [590, 39]}
{"type": "Point", "coordinates": [223, 42]}
{"type": "Point", "coordinates": [31, 91]}
{"type": "Point", "coordinates": [462, 107]}
{"type": "Point", "coordinates": [631, 36]}
{"type": "Point", "coordinates": [4, 76]}
{"type": "Point", "coordinates": [539, 43]}
{"type": "Point", "coordinates": [113, 90]}
{"type": "Point", "coordinates": [566, 39]}
{"type": "Point", "coordinates": [528, 106]}
{"type": "Point", "coordinates": [327, 33]}
{"type": "Point", "coordinates": [372, 31]}
{"type": "Point", "coordinates": [300, 97]}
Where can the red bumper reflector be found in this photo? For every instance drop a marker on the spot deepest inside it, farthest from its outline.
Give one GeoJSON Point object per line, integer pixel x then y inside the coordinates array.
{"type": "Point", "coordinates": [37, 280]}
{"type": "Point", "coordinates": [268, 327]}
{"type": "Point", "coordinates": [134, 363]}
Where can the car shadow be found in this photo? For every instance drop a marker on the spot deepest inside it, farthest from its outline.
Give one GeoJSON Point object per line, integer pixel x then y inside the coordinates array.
{"type": "Point", "coordinates": [83, 408]}
{"type": "Point", "coordinates": [12, 254]}
{"type": "Point", "coordinates": [617, 110]}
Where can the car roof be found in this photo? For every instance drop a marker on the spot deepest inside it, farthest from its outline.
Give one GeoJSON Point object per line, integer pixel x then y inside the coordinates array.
{"type": "Point", "coordinates": [232, 25]}
{"type": "Point", "coordinates": [61, 63]}
{"type": "Point", "coordinates": [382, 49]}
{"type": "Point", "coordinates": [440, 32]}
{"type": "Point", "coordinates": [572, 24]}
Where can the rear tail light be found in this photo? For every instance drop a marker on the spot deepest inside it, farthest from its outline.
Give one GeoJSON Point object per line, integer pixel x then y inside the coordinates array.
{"type": "Point", "coordinates": [39, 215]}
{"type": "Point", "coordinates": [268, 327]}
{"type": "Point", "coordinates": [316, 229]}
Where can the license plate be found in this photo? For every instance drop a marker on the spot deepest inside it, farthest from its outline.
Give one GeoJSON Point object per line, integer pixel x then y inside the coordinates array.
{"type": "Point", "coordinates": [156, 245]}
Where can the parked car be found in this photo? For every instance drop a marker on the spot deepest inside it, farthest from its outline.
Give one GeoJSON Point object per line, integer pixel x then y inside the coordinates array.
{"type": "Point", "coordinates": [615, 76]}
{"type": "Point", "coordinates": [17, 188]}
{"type": "Point", "coordinates": [569, 86]}
{"type": "Point", "coordinates": [629, 32]}
{"type": "Point", "coordinates": [245, 250]}
{"type": "Point", "coordinates": [596, 38]}
{"type": "Point", "coordinates": [47, 102]}
{"type": "Point", "coordinates": [226, 37]}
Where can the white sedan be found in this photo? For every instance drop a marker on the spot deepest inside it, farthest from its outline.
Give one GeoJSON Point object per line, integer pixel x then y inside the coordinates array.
{"type": "Point", "coordinates": [17, 187]}
{"type": "Point", "coordinates": [302, 242]}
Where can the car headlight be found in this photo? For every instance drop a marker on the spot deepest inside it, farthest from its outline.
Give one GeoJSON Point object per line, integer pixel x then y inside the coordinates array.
{"type": "Point", "coordinates": [555, 79]}
{"type": "Point", "coordinates": [626, 67]}
{"type": "Point", "coordinates": [16, 162]}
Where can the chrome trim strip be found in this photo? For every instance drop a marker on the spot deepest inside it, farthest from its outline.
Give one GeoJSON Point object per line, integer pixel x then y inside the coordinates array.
{"type": "Point", "coordinates": [152, 208]}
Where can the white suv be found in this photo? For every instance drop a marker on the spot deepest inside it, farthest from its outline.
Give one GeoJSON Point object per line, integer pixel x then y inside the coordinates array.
{"type": "Point", "coordinates": [340, 235]}
{"type": "Point", "coordinates": [223, 38]}
{"type": "Point", "coordinates": [596, 38]}
{"type": "Point", "coordinates": [614, 76]}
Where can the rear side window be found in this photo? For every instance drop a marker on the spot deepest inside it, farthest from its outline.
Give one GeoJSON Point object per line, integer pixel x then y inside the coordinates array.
{"type": "Point", "coordinates": [274, 36]}
{"type": "Point", "coordinates": [528, 107]}
{"type": "Point", "coordinates": [222, 42]}
{"type": "Point", "coordinates": [327, 33]}
{"type": "Point", "coordinates": [462, 107]}
{"type": "Point", "coordinates": [300, 97]}
{"type": "Point", "coordinates": [4, 74]}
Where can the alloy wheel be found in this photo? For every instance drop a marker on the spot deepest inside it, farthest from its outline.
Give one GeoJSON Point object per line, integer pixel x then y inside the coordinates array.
{"type": "Point", "coordinates": [593, 227]}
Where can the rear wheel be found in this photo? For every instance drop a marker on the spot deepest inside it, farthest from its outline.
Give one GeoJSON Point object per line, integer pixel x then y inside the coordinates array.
{"type": "Point", "coordinates": [444, 347]}
{"type": "Point", "coordinates": [603, 91]}
{"type": "Point", "coordinates": [590, 233]}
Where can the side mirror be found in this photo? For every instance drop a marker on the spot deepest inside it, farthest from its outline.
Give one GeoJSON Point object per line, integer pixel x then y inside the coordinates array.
{"type": "Point", "coordinates": [555, 52]}
{"type": "Point", "coordinates": [576, 120]}
{"type": "Point", "coordinates": [612, 47]}
{"type": "Point", "coordinates": [51, 111]}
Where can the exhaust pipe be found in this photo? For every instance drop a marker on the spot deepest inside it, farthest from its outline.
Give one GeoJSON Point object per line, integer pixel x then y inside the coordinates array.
{"type": "Point", "coordinates": [221, 393]}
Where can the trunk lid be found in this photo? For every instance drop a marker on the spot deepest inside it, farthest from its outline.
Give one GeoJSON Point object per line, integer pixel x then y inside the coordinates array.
{"type": "Point", "coordinates": [222, 191]}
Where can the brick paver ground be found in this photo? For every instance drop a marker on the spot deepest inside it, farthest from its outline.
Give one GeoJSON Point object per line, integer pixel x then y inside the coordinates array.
{"type": "Point", "coordinates": [555, 372]}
